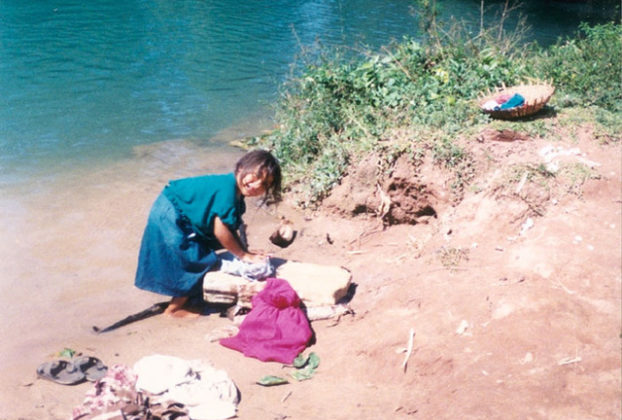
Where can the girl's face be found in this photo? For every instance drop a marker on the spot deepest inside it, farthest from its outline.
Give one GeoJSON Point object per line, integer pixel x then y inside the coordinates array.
{"type": "Point", "coordinates": [252, 185]}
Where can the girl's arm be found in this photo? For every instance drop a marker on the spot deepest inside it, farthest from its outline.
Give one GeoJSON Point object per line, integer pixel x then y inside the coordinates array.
{"type": "Point", "coordinates": [232, 243]}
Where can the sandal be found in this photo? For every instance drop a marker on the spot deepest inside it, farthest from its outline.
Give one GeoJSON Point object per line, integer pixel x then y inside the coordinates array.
{"type": "Point", "coordinates": [93, 368]}
{"type": "Point", "coordinates": [174, 411]}
{"type": "Point", "coordinates": [61, 371]}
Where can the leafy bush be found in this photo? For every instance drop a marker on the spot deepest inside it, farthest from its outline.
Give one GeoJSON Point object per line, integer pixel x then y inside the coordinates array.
{"type": "Point", "coordinates": [587, 70]}
{"type": "Point", "coordinates": [338, 109]}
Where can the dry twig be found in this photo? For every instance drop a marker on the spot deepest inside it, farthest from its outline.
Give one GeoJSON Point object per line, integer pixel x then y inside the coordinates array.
{"type": "Point", "coordinates": [409, 348]}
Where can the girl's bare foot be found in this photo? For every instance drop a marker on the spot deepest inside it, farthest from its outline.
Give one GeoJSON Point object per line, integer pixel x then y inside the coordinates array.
{"type": "Point", "coordinates": [176, 309]}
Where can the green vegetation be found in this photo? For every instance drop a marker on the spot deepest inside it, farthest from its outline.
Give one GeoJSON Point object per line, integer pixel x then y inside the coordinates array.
{"type": "Point", "coordinates": [567, 178]}
{"type": "Point", "coordinates": [420, 96]}
{"type": "Point", "coordinates": [587, 69]}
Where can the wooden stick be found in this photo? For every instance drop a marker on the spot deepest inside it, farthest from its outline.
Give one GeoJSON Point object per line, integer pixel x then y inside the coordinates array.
{"type": "Point", "coordinates": [409, 349]}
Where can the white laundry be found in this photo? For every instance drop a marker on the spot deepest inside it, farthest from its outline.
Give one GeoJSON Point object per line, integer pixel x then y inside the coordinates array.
{"type": "Point", "coordinates": [250, 271]}
{"type": "Point", "coordinates": [213, 398]}
{"type": "Point", "coordinates": [207, 393]}
{"type": "Point", "coordinates": [490, 105]}
{"type": "Point", "coordinates": [158, 373]}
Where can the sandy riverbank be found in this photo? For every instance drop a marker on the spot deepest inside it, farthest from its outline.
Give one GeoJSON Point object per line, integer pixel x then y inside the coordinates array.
{"type": "Point", "coordinates": [69, 252]}
{"type": "Point", "coordinates": [531, 322]}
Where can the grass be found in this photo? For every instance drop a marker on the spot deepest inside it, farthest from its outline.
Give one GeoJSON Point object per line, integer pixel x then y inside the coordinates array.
{"type": "Point", "coordinates": [575, 175]}
{"type": "Point", "coordinates": [338, 110]}
{"type": "Point", "coordinates": [451, 258]}
{"type": "Point", "coordinates": [565, 178]}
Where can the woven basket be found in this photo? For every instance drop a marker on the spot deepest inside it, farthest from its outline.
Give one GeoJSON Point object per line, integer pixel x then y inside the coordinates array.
{"type": "Point", "coordinates": [536, 96]}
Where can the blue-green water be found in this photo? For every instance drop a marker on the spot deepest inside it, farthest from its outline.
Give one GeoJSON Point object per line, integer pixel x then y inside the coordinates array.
{"type": "Point", "coordinates": [84, 82]}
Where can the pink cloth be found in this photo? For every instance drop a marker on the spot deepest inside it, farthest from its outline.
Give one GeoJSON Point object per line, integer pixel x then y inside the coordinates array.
{"type": "Point", "coordinates": [108, 394]}
{"type": "Point", "coordinates": [503, 98]}
{"type": "Point", "coordinates": [276, 329]}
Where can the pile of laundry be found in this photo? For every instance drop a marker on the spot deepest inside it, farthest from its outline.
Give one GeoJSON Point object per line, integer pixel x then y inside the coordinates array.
{"type": "Point", "coordinates": [504, 101]}
{"type": "Point", "coordinates": [160, 387]}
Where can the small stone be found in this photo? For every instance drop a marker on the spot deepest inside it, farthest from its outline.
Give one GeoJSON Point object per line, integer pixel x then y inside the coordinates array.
{"type": "Point", "coordinates": [283, 236]}
{"type": "Point", "coordinates": [526, 226]}
{"type": "Point", "coordinates": [527, 359]}
{"type": "Point", "coordinates": [462, 327]}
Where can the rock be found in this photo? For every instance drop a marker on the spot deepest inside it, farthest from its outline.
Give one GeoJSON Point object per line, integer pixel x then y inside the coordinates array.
{"type": "Point", "coordinates": [283, 236]}
{"type": "Point", "coordinates": [315, 284]}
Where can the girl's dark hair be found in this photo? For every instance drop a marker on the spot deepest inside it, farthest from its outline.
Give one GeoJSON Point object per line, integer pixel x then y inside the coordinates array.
{"type": "Point", "coordinates": [264, 165]}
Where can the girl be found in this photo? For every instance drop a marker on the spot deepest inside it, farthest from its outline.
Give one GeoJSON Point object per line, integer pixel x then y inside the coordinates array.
{"type": "Point", "coordinates": [192, 218]}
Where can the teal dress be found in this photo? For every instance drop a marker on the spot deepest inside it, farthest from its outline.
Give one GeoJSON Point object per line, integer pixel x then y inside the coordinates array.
{"type": "Point", "coordinates": [178, 244]}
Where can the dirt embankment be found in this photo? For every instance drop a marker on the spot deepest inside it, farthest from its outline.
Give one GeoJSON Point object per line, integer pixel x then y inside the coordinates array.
{"type": "Point", "coordinates": [511, 286]}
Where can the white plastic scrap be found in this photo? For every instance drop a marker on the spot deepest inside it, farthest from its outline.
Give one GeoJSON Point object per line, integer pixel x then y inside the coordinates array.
{"type": "Point", "coordinates": [550, 153]}
{"type": "Point", "coordinates": [464, 325]}
{"type": "Point", "coordinates": [528, 224]}
{"type": "Point", "coordinates": [569, 360]}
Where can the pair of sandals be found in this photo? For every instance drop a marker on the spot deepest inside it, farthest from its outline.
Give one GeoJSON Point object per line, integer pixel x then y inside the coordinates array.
{"type": "Point", "coordinates": [74, 371]}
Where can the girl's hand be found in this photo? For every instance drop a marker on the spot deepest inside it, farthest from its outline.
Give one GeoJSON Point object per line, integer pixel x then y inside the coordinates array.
{"type": "Point", "coordinates": [249, 257]}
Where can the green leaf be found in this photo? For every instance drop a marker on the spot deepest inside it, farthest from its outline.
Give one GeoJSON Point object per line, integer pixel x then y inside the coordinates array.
{"type": "Point", "coordinates": [300, 361]}
{"type": "Point", "coordinates": [314, 360]}
{"type": "Point", "coordinates": [67, 352]}
{"type": "Point", "coordinates": [303, 374]}
{"type": "Point", "coordinates": [308, 365]}
{"type": "Point", "coordinates": [272, 381]}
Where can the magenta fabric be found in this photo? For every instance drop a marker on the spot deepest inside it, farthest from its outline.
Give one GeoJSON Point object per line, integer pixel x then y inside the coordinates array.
{"type": "Point", "coordinates": [276, 329]}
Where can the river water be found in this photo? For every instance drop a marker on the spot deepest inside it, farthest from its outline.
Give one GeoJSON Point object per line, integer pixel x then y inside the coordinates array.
{"type": "Point", "coordinates": [83, 83]}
